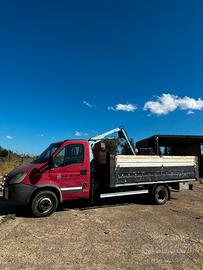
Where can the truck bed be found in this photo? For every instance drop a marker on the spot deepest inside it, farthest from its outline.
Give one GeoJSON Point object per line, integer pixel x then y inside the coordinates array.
{"type": "Point", "coordinates": [133, 170]}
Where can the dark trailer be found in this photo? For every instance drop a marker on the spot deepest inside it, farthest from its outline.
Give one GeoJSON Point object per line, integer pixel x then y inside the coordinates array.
{"type": "Point", "coordinates": [173, 145]}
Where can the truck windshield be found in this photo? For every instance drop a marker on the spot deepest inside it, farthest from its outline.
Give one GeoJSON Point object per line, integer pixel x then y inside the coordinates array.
{"type": "Point", "coordinates": [47, 153]}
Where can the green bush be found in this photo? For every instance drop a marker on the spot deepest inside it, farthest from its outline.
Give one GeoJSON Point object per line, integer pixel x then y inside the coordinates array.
{"type": "Point", "coordinates": [3, 152]}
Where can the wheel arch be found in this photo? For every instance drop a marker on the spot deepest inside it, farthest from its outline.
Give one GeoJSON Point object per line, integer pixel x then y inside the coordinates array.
{"type": "Point", "coordinates": [52, 188]}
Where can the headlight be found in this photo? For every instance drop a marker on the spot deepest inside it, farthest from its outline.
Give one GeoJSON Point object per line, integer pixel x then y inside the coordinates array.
{"type": "Point", "coordinates": [17, 178]}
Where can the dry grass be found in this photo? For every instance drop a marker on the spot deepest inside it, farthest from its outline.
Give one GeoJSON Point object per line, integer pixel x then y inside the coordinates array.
{"type": "Point", "coordinates": [6, 167]}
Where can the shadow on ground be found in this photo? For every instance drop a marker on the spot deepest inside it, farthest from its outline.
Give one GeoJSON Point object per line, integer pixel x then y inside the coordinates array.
{"type": "Point", "coordinates": [7, 207]}
{"type": "Point", "coordinates": [110, 202]}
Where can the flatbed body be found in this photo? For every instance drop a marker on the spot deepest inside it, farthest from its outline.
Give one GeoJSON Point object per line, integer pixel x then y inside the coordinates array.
{"type": "Point", "coordinates": [135, 170]}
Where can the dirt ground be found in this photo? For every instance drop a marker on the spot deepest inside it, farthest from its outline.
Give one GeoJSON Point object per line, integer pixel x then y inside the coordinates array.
{"type": "Point", "coordinates": [122, 234]}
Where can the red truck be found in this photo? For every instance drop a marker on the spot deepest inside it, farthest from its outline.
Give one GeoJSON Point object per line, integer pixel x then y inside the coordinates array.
{"type": "Point", "coordinates": [93, 169]}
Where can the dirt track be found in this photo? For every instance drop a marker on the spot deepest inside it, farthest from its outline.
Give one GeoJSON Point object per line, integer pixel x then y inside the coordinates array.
{"type": "Point", "coordinates": [123, 235]}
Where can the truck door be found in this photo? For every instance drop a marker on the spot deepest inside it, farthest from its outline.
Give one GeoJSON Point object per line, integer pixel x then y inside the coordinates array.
{"type": "Point", "coordinates": [71, 171]}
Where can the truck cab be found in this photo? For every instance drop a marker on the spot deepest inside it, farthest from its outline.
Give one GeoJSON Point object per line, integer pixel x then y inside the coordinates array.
{"type": "Point", "coordinates": [60, 173]}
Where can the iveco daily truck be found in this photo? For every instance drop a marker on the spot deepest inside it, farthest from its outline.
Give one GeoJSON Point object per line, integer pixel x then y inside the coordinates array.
{"type": "Point", "coordinates": [93, 169]}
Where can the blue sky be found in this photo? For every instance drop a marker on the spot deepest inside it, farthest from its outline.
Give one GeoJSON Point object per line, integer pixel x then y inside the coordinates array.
{"type": "Point", "coordinates": [72, 68]}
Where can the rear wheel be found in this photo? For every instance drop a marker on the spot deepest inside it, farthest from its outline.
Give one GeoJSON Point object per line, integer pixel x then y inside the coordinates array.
{"type": "Point", "coordinates": [160, 194]}
{"type": "Point", "coordinates": [44, 203]}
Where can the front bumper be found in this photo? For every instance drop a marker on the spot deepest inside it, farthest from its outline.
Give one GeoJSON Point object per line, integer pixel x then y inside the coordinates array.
{"type": "Point", "coordinates": [18, 193]}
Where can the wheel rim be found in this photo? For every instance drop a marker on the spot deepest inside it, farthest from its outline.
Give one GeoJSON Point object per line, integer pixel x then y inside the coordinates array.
{"type": "Point", "coordinates": [44, 205]}
{"type": "Point", "coordinates": [161, 195]}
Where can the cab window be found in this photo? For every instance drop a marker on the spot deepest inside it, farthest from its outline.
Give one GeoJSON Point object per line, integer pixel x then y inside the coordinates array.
{"type": "Point", "coordinates": [71, 154]}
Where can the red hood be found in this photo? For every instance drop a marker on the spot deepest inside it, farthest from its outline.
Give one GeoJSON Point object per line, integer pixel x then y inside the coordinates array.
{"type": "Point", "coordinates": [26, 167]}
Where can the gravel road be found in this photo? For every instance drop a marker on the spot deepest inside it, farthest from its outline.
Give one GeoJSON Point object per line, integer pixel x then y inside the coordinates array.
{"type": "Point", "coordinates": [115, 235]}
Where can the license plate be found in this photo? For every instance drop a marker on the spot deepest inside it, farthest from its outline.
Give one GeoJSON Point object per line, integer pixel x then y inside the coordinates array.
{"type": "Point", "coordinates": [6, 193]}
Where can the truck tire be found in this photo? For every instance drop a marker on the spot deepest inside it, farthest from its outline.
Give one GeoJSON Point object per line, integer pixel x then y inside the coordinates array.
{"type": "Point", "coordinates": [160, 194]}
{"type": "Point", "coordinates": [44, 203]}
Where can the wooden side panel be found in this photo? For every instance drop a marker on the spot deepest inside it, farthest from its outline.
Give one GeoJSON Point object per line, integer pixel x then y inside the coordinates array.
{"type": "Point", "coordinates": [155, 161]}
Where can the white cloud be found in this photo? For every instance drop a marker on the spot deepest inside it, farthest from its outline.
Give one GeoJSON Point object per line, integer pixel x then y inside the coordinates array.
{"type": "Point", "coordinates": [168, 103]}
{"type": "Point", "coordinates": [188, 103]}
{"type": "Point", "coordinates": [87, 104]}
{"type": "Point", "coordinates": [80, 134]}
{"type": "Point", "coordinates": [123, 107]}
{"type": "Point", "coordinates": [190, 112]}
{"type": "Point", "coordinates": [9, 137]}
{"type": "Point", "coordinates": [40, 135]}
{"type": "Point", "coordinates": [77, 133]}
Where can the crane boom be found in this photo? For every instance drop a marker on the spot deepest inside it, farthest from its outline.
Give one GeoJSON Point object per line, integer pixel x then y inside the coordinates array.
{"type": "Point", "coordinates": [121, 133]}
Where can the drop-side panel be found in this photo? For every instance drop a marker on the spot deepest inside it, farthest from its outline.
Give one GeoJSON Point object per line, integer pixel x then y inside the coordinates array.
{"type": "Point", "coordinates": [144, 169]}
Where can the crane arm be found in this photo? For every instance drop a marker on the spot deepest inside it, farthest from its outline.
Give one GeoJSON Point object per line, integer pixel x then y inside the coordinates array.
{"type": "Point", "coordinates": [122, 134]}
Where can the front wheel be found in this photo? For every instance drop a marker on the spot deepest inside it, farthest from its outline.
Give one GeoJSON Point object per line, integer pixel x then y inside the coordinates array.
{"type": "Point", "coordinates": [44, 203]}
{"type": "Point", "coordinates": [160, 194]}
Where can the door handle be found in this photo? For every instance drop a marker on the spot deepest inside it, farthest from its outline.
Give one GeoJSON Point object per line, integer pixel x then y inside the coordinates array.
{"type": "Point", "coordinates": [83, 172]}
